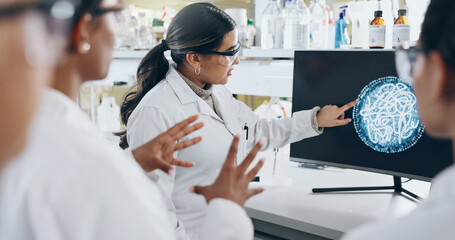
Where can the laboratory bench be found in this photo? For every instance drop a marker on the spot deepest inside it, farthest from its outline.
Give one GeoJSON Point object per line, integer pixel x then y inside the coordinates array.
{"type": "Point", "coordinates": [289, 210]}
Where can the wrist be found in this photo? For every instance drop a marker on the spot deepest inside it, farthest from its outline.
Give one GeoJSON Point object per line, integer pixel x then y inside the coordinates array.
{"type": "Point", "coordinates": [316, 120]}
{"type": "Point", "coordinates": [138, 156]}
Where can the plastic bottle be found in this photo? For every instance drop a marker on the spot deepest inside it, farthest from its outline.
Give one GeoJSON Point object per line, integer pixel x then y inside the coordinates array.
{"type": "Point", "coordinates": [348, 20]}
{"type": "Point", "coordinates": [377, 31]}
{"type": "Point", "coordinates": [331, 30]}
{"type": "Point", "coordinates": [296, 27]}
{"type": "Point", "coordinates": [340, 32]}
{"type": "Point", "coordinates": [401, 29]}
{"type": "Point", "coordinates": [158, 30]}
{"type": "Point", "coordinates": [272, 26]}
{"type": "Point", "coordinates": [318, 25]}
{"type": "Point", "coordinates": [251, 33]}
{"type": "Point", "coordinates": [108, 115]}
{"type": "Point", "coordinates": [239, 15]}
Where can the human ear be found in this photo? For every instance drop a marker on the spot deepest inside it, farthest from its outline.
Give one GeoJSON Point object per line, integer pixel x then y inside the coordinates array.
{"type": "Point", "coordinates": [194, 59]}
{"type": "Point", "coordinates": [442, 81]}
{"type": "Point", "coordinates": [80, 37]}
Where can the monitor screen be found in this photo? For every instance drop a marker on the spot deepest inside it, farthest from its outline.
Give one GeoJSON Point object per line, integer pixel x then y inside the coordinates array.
{"type": "Point", "coordinates": [386, 135]}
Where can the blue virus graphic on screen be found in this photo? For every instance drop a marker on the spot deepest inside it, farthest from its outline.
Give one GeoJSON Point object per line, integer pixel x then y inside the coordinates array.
{"type": "Point", "coordinates": [387, 118]}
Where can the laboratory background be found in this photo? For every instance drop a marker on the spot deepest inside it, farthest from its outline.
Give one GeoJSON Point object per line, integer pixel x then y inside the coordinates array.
{"type": "Point", "coordinates": [297, 54]}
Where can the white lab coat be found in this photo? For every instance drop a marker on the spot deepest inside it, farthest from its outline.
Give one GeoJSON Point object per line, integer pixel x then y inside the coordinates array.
{"type": "Point", "coordinates": [433, 219]}
{"type": "Point", "coordinates": [70, 183]}
{"type": "Point", "coordinates": [172, 101]}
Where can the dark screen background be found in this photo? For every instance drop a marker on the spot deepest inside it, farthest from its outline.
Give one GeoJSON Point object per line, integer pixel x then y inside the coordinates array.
{"type": "Point", "coordinates": [337, 77]}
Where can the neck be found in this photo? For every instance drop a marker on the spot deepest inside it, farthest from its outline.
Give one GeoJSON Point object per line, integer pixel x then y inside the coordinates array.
{"type": "Point", "coordinates": [67, 80]}
{"type": "Point", "coordinates": [189, 73]}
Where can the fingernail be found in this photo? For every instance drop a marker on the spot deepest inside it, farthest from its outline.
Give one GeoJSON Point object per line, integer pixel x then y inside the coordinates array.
{"type": "Point", "coordinates": [262, 160]}
{"type": "Point", "coordinates": [194, 163]}
{"type": "Point", "coordinates": [171, 172]}
{"type": "Point", "coordinates": [191, 189]}
{"type": "Point", "coordinates": [237, 135]}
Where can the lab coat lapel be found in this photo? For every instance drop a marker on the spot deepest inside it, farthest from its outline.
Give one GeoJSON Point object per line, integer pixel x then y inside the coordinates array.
{"type": "Point", "coordinates": [223, 106]}
{"type": "Point", "coordinates": [187, 95]}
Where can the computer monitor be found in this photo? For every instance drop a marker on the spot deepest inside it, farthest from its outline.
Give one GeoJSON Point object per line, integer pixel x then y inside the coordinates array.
{"type": "Point", "coordinates": [338, 77]}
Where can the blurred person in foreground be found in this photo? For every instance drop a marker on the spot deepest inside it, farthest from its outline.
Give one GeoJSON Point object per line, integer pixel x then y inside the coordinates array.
{"type": "Point", "coordinates": [70, 183]}
{"type": "Point", "coordinates": [433, 71]}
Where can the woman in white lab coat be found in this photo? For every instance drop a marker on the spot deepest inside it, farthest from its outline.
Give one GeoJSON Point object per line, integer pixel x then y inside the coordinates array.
{"type": "Point", "coordinates": [433, 71]}
{"type": "Point", "coordinates": [70, 183]}
{"type": "Point", "coordinates": [204, 45]}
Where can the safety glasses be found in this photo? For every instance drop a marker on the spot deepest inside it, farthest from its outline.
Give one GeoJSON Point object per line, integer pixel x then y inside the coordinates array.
{"type": "Point", "coordinates": [46, 27]}
{"type": "Point", "coordinates": [405, 58]}
{"type": "Point", "coordinates": [100, 11]}
{"type": "Point", "coordinates": [226, 58]}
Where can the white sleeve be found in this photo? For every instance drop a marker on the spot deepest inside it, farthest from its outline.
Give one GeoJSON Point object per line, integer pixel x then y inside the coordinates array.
{"type": "Point", "coordinates": [85, 207]}
{"type": "Point", "coordinates": [226, 220]}
{"type": "Point", "coordinates": [143, 126]}
{"type": "Point", "coordinates": [277, 132]}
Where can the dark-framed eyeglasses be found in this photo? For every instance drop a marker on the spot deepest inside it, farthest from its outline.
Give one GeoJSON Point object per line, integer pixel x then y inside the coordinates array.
{"type": "Point", "coordinates": [226, 58]}
{"type": "Point", "coordinates": [46, 27]}
{"type": "Point", "coordinates": [59, 9]}
{"type": "Point", "coordinates": [100, 11]}
{"type": "Point", "coordinates": [405, 58]}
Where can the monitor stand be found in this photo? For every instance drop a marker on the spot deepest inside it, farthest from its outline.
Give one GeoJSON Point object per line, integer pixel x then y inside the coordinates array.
{"type": "Point", "coordinates": [397, 187]}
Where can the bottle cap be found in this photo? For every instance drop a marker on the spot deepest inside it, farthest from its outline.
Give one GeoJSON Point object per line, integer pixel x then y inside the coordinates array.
{"type": "Point", "coordinates": [341, 15]}
{"type": "Point", "coordinates": [377, 13]}
{"type": "Point", "coordinates": [402, 12]}
{"type": "Point", "coordinates": [250, 22]}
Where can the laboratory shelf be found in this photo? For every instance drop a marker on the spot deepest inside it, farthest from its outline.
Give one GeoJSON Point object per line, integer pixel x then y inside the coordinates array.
{"type": "Point", "coordinates": [129, 54]}
{"type": "Point", "coordinates": [255, 52]}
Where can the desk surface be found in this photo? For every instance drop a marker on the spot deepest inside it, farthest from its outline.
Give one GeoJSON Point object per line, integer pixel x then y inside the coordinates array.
{"type": "Point", "coordinates": [327, 215]}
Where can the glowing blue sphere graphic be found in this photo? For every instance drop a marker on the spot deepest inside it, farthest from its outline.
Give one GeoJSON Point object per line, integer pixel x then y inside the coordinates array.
{"type": "Point", "coordinates": [387, 118]}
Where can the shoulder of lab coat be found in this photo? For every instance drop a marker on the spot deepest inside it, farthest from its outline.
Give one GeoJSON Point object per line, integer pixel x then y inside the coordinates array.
{"type": "Point", "coordinates": [220, 223]}
{"type": "Point", "coordinates": [277, 132]}
{"type": "Point", "coordinates": [80, 187]}
{"type": "Point", "coordinates": [432, 219]}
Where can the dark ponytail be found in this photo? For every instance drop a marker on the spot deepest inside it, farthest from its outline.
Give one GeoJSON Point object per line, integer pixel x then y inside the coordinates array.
{"type": "Point", "coordinates": [151, 71]}
{"type": "Point", "coordinates": [198, 27]}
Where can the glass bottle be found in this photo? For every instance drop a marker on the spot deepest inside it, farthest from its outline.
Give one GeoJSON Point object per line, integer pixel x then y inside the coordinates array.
{"type": "Point", "coordinates": [377, 31]}
{"type": "Point", "coordinates": [401, 29]}
{"type": "Point", "coordinates": [272, 26]}
{"type": "Point", "coordinates": [144, 34]}
{"type": "Point", "coordinates": [296, 27]}
{"type": "Point", "coordinates": [319, 25]}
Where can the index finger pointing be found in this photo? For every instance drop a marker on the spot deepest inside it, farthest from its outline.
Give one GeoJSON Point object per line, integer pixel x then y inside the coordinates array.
{"type": "Point", "coordinates": [349, 105]}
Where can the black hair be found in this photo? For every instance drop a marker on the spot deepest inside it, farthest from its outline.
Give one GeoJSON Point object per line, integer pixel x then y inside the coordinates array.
{"type": "Point", "coordinates": [198, 27]}
{"type": "Point", "coordinates": [82, 7]}
{"type": "Point", "coordinates": [438, 31]}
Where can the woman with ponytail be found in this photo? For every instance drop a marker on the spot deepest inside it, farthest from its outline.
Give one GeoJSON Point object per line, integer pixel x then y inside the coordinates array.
{"type": "Point", "coordinates": [203, 42]}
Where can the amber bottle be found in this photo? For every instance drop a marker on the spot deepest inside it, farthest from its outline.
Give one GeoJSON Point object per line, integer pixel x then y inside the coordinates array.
{"type": "Point", "coordinates": [401, 29]}
{"type": "Point", "coordinates": [377, 31]}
